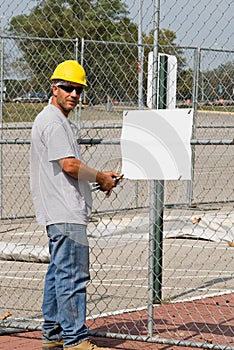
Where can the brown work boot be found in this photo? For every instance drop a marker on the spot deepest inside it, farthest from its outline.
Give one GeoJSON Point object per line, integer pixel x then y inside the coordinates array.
{"type": "Point", "coordinates": [86, 345]}
{"type": "Point", "coordinates": [55, 345]}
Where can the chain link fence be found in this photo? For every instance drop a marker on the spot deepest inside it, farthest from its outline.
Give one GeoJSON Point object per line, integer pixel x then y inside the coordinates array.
{"type": "Point", "coordinates": [167, 281]}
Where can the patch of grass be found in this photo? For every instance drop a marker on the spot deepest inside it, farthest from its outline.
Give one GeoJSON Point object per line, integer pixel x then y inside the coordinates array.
{"type": "Point", "coordinates": [94, 113]}
{"type": "Point", "coordinates": [21, 112]}
{"type": "Point", "coordinates": [27, 112]}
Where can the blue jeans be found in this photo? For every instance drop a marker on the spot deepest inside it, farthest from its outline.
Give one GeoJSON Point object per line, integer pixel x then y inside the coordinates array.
{"type": "Point", "coordinates": [64, 300]}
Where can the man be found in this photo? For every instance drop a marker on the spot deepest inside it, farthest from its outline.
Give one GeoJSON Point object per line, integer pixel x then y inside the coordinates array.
{"type": "Point", "coordinates": [62, 200]}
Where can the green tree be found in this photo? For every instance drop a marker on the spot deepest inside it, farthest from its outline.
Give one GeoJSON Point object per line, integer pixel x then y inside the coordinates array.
{"type": "Point", "coordinates": [102, 20]}
{"type": "Point", "coordinates": [166, 44]}
{"type": "Point", "coordinates": [220, 76]}
{"type": "Point", "coordinates": [50, 32]}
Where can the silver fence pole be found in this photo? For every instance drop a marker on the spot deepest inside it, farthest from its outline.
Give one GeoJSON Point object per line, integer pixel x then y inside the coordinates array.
{"type": "Point", "coordinates": [197, 60]}
{"type": "Point", "coordinates": [140, 58]}
{"type": "Point", "coordinates": [140, 73]}
{"type": "Point", "coordinates": [1, 117]}
{"type": "Point", "coordinates": [78, 108]}
{"type": "Point", "coordinates": [156, 202]}
{"type": "Point", "coordinates": [83, 94]}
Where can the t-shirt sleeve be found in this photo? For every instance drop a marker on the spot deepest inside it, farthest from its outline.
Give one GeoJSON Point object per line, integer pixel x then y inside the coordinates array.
{"type": "Point", "coordinates": [58, 144]}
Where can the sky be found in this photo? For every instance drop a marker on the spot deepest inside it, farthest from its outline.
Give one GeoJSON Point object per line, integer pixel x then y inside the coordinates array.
{"type": "Point", "coordinates": [205, 24]}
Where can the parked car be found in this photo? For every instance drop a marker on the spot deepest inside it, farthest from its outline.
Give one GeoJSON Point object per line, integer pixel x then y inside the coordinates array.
{"type": "Point", "coordinates": [32, 97]}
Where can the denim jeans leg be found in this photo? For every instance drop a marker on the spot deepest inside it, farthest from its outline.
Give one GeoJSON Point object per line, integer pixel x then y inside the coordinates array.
{"type": "Point", "coordinates": [64, 302]}
{"type": "Point", "coordinates": [51, 330]}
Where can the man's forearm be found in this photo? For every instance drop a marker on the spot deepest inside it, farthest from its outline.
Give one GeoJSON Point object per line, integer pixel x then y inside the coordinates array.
{"type": "Point", "coordinates": [78, 170]}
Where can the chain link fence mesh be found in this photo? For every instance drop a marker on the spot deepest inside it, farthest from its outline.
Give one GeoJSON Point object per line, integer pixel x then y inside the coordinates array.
{"type": "Point", "coordinates": [177, 289]}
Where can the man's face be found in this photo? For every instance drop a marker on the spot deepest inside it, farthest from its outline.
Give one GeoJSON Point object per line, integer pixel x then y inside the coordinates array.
{"type": "Point", "coordinates": [66, 96]}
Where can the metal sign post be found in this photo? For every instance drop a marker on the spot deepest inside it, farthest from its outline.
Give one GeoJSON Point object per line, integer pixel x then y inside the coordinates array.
{"type": "Point", "coordinates": [161, 94]}
{"type": "Point", "coordinates": [156, 207]}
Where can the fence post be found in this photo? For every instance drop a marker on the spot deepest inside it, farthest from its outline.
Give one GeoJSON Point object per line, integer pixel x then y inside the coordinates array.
{"type": "Point", "coordinates": [140, 74]}
{"type": "Point", "coordinates": [1, 116]}
{"type": "Point", "coordinates": [140, 59]}
{"type": "Point", "coordinates": [79, 107]}
{"type": "Point", "coordinates": [197, 60]}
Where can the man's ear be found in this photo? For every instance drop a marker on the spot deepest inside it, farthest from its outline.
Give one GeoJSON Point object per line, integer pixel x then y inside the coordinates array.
{"type": "Point", "coordinates": [54, 90]}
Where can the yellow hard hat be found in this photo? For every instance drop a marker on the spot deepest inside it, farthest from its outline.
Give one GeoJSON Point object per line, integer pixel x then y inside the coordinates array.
{"type": "Point", "coordinates": [70, 71]}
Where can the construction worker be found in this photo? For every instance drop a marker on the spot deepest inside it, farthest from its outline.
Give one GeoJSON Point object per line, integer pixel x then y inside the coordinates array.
{"type": "Point", "coordinates": [62, 200]}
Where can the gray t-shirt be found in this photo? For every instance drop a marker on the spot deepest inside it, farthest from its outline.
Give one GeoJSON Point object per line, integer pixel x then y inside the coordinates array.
{"type": "Point", "coordinates": [57, 197]}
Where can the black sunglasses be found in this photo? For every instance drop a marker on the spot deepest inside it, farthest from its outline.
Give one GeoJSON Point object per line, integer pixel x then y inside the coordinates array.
{"type": "Point", "coordinates": [70, 88]}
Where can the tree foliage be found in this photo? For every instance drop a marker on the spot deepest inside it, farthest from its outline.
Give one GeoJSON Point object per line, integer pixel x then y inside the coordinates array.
{"type": "Point", "coordinates": [103, 21]}
{"type": "Point", "coordinates": [222, 76]}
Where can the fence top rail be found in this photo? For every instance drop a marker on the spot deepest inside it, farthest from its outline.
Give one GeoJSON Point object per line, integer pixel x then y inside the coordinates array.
{"type": "Point", "coordinates": [165, 46]}
{"type": "Point", "coordinates": [27, 37]}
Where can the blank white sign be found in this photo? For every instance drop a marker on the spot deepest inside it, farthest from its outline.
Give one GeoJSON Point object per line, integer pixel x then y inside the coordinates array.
{"type": "Point", "coordinates": [155, 144]}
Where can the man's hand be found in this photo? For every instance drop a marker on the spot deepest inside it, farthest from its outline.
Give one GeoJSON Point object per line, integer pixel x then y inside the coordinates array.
{"type": "Point", "coordinates": [107, 180]}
